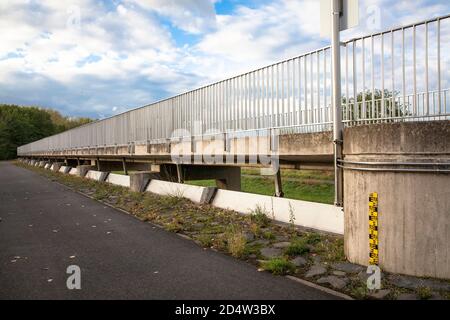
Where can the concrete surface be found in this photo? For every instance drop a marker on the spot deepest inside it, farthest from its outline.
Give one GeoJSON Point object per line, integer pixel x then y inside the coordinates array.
{"type": "Point", "coordinates": [96, 175]}
{"type": "Point", "coordinates": [73, 172]}
{"type": "Point", "coordinates": [84, 169]}
{"type": "Point", "coordinates": [165, 188]}
{"type": "Point", "coordinates": [140, 180]}
{"type": "Point", "coordinates": [414, 208]}
{"type": "Point", "coordinates": [312, 215]}
{"type": "Point", "coordinates": [118, 179]}
{"type": "Point", "coordinates": [64, 169]}
{"type": "Point", "coordinates": [45, 227]}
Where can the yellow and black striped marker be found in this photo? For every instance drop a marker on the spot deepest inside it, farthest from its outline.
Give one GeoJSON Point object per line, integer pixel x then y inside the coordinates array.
{"type": "Point", "coordinates": [373, 228]}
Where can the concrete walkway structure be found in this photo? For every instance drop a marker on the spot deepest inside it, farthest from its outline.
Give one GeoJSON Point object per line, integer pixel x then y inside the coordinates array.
{"type": "Point", "coordinates": [396, 137]}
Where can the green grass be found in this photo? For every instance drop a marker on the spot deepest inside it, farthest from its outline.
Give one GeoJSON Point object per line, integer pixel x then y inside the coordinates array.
{"type": "Point", "coordinates": [278, 266]}
{"type": "Point", "coordinates": [296, 248]}
{"type": "Point", "coordinates": [297, 188]}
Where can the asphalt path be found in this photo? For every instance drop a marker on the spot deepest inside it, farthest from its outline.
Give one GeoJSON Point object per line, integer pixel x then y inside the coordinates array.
{"type": "Point", "coordinates": [46, 227]}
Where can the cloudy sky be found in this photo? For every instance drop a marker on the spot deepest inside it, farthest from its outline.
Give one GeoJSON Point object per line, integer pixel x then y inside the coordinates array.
{"type": "Point", "coordinates": [97, 58]}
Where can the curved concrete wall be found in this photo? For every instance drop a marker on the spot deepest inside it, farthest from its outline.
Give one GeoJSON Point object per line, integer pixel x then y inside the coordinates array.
{"type": "Point", "coordinates": [413, 207]}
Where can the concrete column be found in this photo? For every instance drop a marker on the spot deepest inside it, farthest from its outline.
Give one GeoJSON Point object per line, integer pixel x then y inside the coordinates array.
{"type": "Point", "coordinates": [124, 165]}
{"type": "Point", "coordinates": [180, 178]}
{"type": "Point", "coordinates": [83, 169]}
{"type": "Point", "coordinates": [278, 185]}
{"type": "Point", "coordinates": [407, 165]}
{"type": "Point", "coordinates": [140, 180]}
{"type": "Point", "coordinates": [57, 166]}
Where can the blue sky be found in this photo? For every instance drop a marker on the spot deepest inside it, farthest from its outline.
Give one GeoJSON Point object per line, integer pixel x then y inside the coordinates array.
{"type": "Point", "coordinates": [98, 58]}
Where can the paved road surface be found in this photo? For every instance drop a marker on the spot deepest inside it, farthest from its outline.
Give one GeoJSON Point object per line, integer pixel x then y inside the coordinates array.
{"type": "Point", "coordinates": [46, 227]}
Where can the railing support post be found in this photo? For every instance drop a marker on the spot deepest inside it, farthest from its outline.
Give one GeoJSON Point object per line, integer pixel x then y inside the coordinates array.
{"type": "Point", "coordinates": [337, 111]}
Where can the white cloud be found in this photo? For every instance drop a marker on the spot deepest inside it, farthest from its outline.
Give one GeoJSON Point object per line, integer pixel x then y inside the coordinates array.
{"type": "Point", "coordinates": [193, 16]}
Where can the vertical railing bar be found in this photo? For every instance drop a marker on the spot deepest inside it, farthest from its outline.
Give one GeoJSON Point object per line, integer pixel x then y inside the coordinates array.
{"type": "Point", "coordinates": [439, 65]}
{"type": "Point", "coordinates": [306, 118]}
{"type": "Point", "coordinates": [414, 73]}
{"type": "Point", "coordinates": [272, 104]}
{"type": "Point", "coordinates": [282, 120]}
{"type": "Point", "coordinates": [383, 106]}
{"type": "Point", "coordinates": [355, 84]}
{"type": "Point", "coordinates": [236, 103]}
{"type": "Point", "coordinates": [317, 118]}
{"type": "Point", "coordinates": [299, 116]}
{"type": "Point", "coordinates": [325, 87]}
{"type": "Point", "coordinates": [277, 96]}
{"type": "Point", "coordinates": [364, 114]}
{"type": "Point", "coordinates": [287, 98]}
{"type": "Point", "coordinates": [293, 93]}
{"type": "Point", "coordinates": [403, 70]}
{"type": "Point", "coordinates": [311, 117]}
{"type": "Point", "coordinates": [346, 84]}
{"type": "Point", "coordinates": [392, 111]}
{"type": "Point", "coordinates": [372, 61]}
{"type": "Point", "coordinates": [427, 103]}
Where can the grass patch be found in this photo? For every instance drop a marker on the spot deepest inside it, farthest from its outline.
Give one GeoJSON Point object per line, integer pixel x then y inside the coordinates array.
{"type": "Point", "coordinates": [206, 240]}
{"type": "Point", "coordinates": [424, 293]}
{"type": "Point", "coordinates": [269, 235]}
{"type": "Point", "coordinates": [259, 217]}
{"type": "Point", "coordinates": [278, 266]}
{"type": "Point", "coordinates": [236, 243]}
{"type": "Point", "coordinates": [297, 248]}
{"type": "Point", "coordinates": [300, 188]}
{"type": "Point", "coordinates": [331, 249]}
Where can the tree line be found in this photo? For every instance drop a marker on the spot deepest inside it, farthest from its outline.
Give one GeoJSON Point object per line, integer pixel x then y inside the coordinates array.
{"type": "Point", "coordinates": [20, 125]}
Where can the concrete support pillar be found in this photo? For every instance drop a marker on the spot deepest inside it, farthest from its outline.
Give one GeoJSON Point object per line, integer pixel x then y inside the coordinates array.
{"type": "Point", "coordinates": [56, 166]}
{"type": "Point", "coordinates": [98, 164]}
{"type": "Point", "coordinates": [83, 169]}
{"type": "Point", "coordinates": [278, 185]}
{"type": "Point", "coordinates": [407, 165]}
{"type": "Point", "coordinates": [140, 180]}
{"type": "Point", "coordinates": [124, 165]}
{"type": "Point", "coordinates": [180, 178]}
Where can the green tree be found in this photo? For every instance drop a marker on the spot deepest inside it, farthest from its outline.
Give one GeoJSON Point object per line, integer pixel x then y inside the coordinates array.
{"type": "Point", "coordinates": [386, 108]}
{"type": "Point", "coordinates": [22, 125]}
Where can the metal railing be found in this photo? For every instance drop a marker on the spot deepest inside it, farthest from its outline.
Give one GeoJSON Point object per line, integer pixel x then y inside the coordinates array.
{"type": "Point", "coordinates": [395, 75]}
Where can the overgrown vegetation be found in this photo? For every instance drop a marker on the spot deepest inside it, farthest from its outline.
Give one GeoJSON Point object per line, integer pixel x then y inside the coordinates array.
{"type": "Point", "coordinates": [22, 125]}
